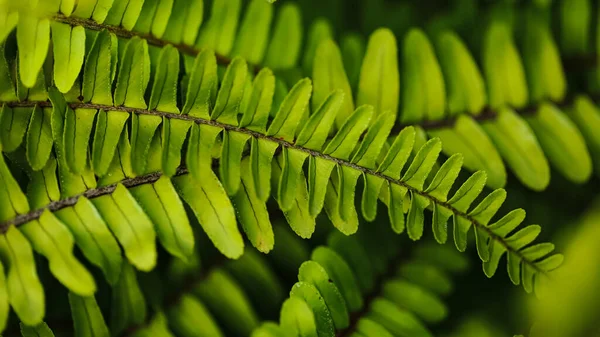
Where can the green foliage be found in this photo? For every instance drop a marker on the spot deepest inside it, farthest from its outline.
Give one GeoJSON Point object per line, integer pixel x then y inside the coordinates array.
{"type": "Point", "coordinates": [120, 119]}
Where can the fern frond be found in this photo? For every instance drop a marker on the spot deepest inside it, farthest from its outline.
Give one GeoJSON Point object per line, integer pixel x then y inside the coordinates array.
{"type": "Point", "coordinates": [466, 95]}
{"type": "Point", "coordinates": [336, 155]}
{"type": "Point", "coordinates": [130, 185]}
{"type": "Point", "coordinates": [340, 293]}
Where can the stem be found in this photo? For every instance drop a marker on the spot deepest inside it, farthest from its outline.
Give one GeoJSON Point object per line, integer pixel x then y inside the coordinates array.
{"type": "Point", "coordinates": [124, 33]}
{"type": "Point", "coordinates": [152, 177]}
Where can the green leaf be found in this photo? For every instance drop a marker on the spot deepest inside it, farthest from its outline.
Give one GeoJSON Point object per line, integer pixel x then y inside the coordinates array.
{"type": "Point", "coordinates": [128, 306]}
{"type": "Point", "coordinates": [97, 80]}
{"type": "Point", "coordinates": [423, 93]}
{"type": "Point", "coordinates": [120, 166]}
{"type": "Point", "coordinates": [461, 201]}
{"type": "Point", "coordinates": [575, 20]}
{"type": "Point", "coordinates": [444, 257]}
{"type": "Point", "coordinates": [489, 206]}
{"type": "Point", "coordinates": [51, 238]}
{"type": "Point", "coordinates": [269, 329]}
{"type": "Point", "coordinates": [396, 207]}
{"type": "Point", "coordinates": [427, 276]}
{"type": "Point", "coordinates": [368, 327]}
{"type": "Point", "coordinates": [351, 249]}
{"type": "Point", "coordinates": [219, 32]}
{"type": "Point", "coordinates": [252, 212]}
{"type": "Point", "coordinates": [143, 129]}
{"type": "Point", "coordinates": [164, 89]}
{"type": "Point", "coordinates": [123, 13]}
{"type": "Point", "coordinates": [202, 87]}
{"type": "Point", "coordinates": [8, 23]}
{"type": "Point", "coordinates": [259, 280]}
{"type": "Point", "coordinates": [440, 223]}
{"type": "Point", "coordinates": [163, 206]}
{"type": "Point", "coordinates": [284, 49]}
{"type": "Point", "coordinates": [415, 299]}
{"type": "Point", "coordinates": [25, 292]}
{"type": "Point", "coordinates": [4, 309]}
{"type": "Point", "coordinates": [190, 318]}
{"type": "Point", "coordinates": [42, 188]}
{"type": "Point", "coordinates": [315, 301]}
{"type": "Point", "coordinates": [68, 44]}
{"type": "Point", "coordinates": [341, 274]}
{"type": "Point", "coordinates": [415, 220]}
{"type": "Point", "coordinates": [33, 40]}
{"type": "Point", "coordinates": [347, 223]}
{"type": "Point", "coordinates": [132, 227]}
{"type": "Point", "coordinates": [311, 272]}
{"type": "Point", "coordinates": [504, 73]}
{"type": "Point", "coordinates": [320, 30]}
{"type": "Point", "coordinates": [479, 153]}
{"type": "Point", "coordinates": [297, 318]}
{"type": "Point", "coordinates": [398, 154]}
{"type": "Point", "coordinates": [292, 161]}
{"type": "Point", "coordinates": [12, 200]}
{"type": "Point", "coordinates": [256, 111]}
{"type": "Point", "coordinates": [508, 222]}
{"type": "Point", "coordinates": [347, 137]}
{"type": "Point", "coordinates": [175, 132]}
{"type": "Point", "coordinates": [369, 201]}
{"type": "Point", "coordinates": [37, 93]}
{"type": "Point", "coordinates": [231, 93]}
{"type": "Point", "coordinates": [542, 60]}
{"type": "Point", "coordinates": [398, 321]}
{"type": "Point", "coordinates": [97, 10]}
{"type": "Point", "coordinates": [587, 118]}
{"type": "Point", "coordinates": [372, 143]}
{"type": "Point", "coordinates": [93, 237]}
{"type": "Point", "coordinates": [261, 156]}
{"type": "Point", "coordinates": [379, 83]}
{"type": "Point", "coordinates": [319, 171]}
{"type": "Point", "coordinates": [199, 153]}
{"type": "Point", "coordinates": [563, 143]}
{"type": "Point", "coordinates": [444, 179]}
{"type": "Point", "coordinates": [329, 75]}
{"type": "Point", "coordinates": [348, 177]}
{"type": "Point", "coordinates": [39, 138]}
{"type": "Point", "coordinates": [353, 52]}
{"type": "Point", "coordinates": [286, 121]}
{"type": "Point", "coordinates": [109, 126]}
{"type": "Point", "coordinates": [76, 138]}
{"type": "Point", "coordinates": [253, 35]}
{"type": "Point", "coordinates": [134, 74]}
{"type": "Point", "coordinates": [226, 300]}
{"type": "Point", "coordinates": [298, 216]}
{"type": "Point", "coordinates": [230, 161]}
{"type": "Point", "coordinates": [518, 145]}
{"type": "Point", "coordinates": [87, 318]}
{"type": "Point", "coordinates": [67, 7]}
{"type": "Point", "coordinates": [214, 211]}
{"type": "Point", "coordinates": [464, 82]}
{"type": "Point", "coordinates": [315, 132]}
{"type": "Point", "coordinates": [40, 330]}
{"type": "Point", "coordinates": [422, 164]}
{"type": "Point", "coordinates": [7, 86]}
{"type": "Point", "coordinates": [185, 30]}
{"type": "Point", "coordinates": [13, 126]}
{"type": "Point", "coordinates": [154, 17]}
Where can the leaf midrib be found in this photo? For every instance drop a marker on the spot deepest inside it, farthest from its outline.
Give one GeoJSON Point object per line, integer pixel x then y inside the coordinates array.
{"type": "Point", "coordinates": [153, 177]}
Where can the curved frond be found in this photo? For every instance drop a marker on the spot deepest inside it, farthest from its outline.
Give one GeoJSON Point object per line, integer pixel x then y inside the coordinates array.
{"type": "Point", "coordinates": [137, 117]}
